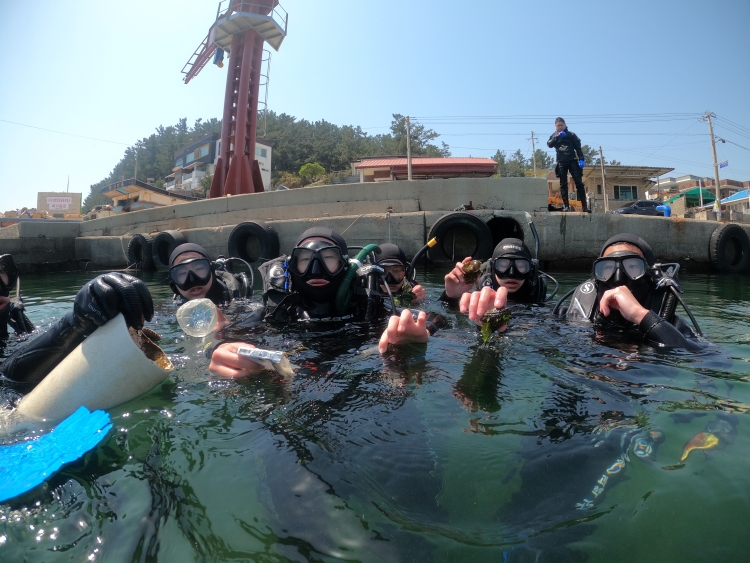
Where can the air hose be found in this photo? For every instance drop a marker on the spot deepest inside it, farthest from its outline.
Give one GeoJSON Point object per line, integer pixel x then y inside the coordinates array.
{"type": "Point", "coordinates": [344, 294]}
{"type": "Point", "coordinates": [410, 271]}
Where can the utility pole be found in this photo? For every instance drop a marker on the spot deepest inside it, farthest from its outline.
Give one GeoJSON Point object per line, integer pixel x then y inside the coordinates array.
{"type": "Point", "coordinates": [135, 176]}
{"type": "Point", "coordinates": [408, 148]}
{"type": "Point", "coordinates": [700, 191]}
{"type": "Point", "coordinates": [533, 152]}
{"type": "Point", "coordinates": [707, 117]}
{"type": "Point", "coordinates": [604, 181]}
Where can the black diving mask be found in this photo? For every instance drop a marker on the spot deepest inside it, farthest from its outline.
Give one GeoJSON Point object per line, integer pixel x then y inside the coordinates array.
{"type": "Point", "coordinates": [632, 265]}
{"type": "Point", "coordinates": [191, 273]}
{"type": "Point", "coordinates": [394, 273]}
{"type": "Point", "coordinates": [304, 259]}
{"type": "Point", "coordinates": [516, 268]}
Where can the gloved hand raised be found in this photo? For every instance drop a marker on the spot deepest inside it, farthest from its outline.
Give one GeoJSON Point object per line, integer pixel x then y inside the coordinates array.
{"type": "Point", "coordinates": [101, 299]}
{"type": "Point", "coordinates": [581, 163]}
{"type": "Point", "coordinates": [562, 134]}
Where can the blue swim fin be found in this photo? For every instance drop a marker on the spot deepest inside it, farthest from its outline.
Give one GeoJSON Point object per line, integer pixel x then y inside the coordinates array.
{"type": "Point", "coordinates": [25, 465]}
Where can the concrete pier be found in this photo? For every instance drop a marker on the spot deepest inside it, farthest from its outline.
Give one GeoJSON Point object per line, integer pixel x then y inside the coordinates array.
{"type": "Point", "coordinates": [401, 212]}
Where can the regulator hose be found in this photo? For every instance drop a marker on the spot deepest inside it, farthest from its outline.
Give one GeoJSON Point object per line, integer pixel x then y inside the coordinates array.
{"type": "Point", "coordinates": [344, 294]}
{"type": "Point", "coordinates": [410, 270]}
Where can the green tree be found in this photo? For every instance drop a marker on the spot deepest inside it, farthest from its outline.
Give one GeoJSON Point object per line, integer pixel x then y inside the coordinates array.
{"type": "Point", "coordinates": [310, 172]}
{"type": "Point", "coordinates": [543, 160]}
{"type": "Point", "coordinates": [205, 184]}
{"type": "Point", "coordinates": [288, 180]}
{"type": "Point", "coordinates": [590, 156]}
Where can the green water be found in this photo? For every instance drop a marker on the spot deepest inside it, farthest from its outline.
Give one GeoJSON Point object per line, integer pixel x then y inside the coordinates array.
{"type": "Point", "coordinates": [454, 452]}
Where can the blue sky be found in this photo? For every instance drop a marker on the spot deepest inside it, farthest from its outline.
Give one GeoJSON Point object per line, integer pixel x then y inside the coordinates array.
{"type": "Point", "coordinates": [111, 71]}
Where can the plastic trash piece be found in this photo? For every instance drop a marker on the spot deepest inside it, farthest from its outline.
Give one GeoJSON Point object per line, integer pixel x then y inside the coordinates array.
{"type": "Point", "coordinates": [269, 359]}
{"type": "Point", "coordinates": [27, 464]}
{"type": "Point", "coordinates": [198, 317]}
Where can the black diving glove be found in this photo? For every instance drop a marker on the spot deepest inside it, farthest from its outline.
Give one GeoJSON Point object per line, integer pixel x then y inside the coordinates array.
{"type": "Point", "coordinates": [105, 296]}
{"type": "Point", "coordinates": [17, 318]}
{"type": "Point", "coordinates": [99, 301]}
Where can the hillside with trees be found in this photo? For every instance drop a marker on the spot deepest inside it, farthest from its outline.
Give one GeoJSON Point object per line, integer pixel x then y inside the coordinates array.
{"type": "Point", "coordinates": [303, 151]}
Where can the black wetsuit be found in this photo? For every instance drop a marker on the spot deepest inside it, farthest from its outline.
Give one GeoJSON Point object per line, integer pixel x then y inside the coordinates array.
{"type": "Point", "coordinates": [673, 332]}
{"type": "Point", "coordinates": [27, 366]}
{"type": "Point", "coordinates": [568, 149]}
{"type": "Point", "coordinates": [284, 304]}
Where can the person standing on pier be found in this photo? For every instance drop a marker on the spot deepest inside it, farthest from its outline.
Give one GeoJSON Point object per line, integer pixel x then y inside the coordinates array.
{"type": "Point", "coordinates": [569, 160]}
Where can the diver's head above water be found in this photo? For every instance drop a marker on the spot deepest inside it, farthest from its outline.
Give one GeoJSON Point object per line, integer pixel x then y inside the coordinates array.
{"type": "Point", "coordinates": [511, 264]}
{"type": "Point", "coordinates": [8, 274]}
{"type": "Point", "coordinates": [625, 260]}
{"type": "Point", "coordinates": [393, 260]}
{"type": "Point", "coordinates": [190, 271]}
{"type": "Point", "coordinates": [317, 264]}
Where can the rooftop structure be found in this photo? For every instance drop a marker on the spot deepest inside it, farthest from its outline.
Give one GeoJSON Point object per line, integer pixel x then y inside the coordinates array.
{"type": "Point", "coordinates": [133, 195]}
{"type": "Point", "coordinates": [395, 168]}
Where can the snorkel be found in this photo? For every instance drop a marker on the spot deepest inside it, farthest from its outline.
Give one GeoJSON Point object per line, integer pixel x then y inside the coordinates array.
{"type": "Point", "coordinates": [343, 296]}
{"type": "Point", "coordinates": [535, 260]}
{"type": "Point", "coordinates": [410, 270]}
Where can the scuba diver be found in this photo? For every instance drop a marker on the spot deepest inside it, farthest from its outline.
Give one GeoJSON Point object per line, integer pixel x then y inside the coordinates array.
{"type": "Point", "coordinates": [319, 283]}
{"type": "Point", "coordinates": [628, 289]}
{"type": "Point", "coordinates": [511, 267]}
{"type": "Point", "coordinates": [193, 275]}
{"type": "Point", "coordinates": [404, 287]}
{"type": "Point", "coordinates": [96, 303]}
{"type": "Point", "coordinates": [11, 310]}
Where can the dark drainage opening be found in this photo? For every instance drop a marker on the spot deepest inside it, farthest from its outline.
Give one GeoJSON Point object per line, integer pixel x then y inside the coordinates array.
{"type": "Point", "coordinates": [504, 227]}
{"type": "Point", "coordinates": [733, 251]}
{"type": "Point", "coordinates": [459, 243]}
{"type": "Point", "coordinates": [251, 249]}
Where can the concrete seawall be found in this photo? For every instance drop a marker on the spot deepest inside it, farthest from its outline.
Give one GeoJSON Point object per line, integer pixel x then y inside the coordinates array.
{"type": "Point", "coordinates": [402, 212]}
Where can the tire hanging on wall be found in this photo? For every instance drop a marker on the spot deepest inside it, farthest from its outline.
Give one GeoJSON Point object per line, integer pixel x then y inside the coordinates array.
{"type": "Point", "coordinates": [465, 221]}
{"type": "Point", "coordinates": [253, 241]}
{"type": "Point", "coordinates": [164, 243]}
{"type": "Point", "coordinates": [139, 251]}
{"type": "Point", "coordinates": [729, 249]}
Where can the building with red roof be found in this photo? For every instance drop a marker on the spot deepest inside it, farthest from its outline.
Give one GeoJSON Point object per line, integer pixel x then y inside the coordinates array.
{"type": "Point", "coordinates": [422, 168]}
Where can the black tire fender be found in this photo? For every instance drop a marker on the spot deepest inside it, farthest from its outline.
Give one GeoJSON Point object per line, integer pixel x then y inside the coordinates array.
{"type": "Point", "coordinates": [164, 244]}
{"type": "Point", "coordinates": [729, 249]}
{"type": "Point", "coordinates": [253, 241]}
{"type": "Point", "coordinates": [463, 220]}
{"type": "Point", "coordinates": [139, 251]}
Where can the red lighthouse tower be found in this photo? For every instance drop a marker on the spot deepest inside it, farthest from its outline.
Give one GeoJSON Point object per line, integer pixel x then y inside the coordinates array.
{"type": "Point", "coordinates": [240, 28]}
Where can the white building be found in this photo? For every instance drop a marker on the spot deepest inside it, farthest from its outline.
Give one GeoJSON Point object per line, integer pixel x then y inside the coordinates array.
{"type": "Point", "coordinates": [192, 162]}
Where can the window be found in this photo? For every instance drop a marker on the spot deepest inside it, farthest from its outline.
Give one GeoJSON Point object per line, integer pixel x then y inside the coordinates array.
{"type": "Point", "coordinates": [201, 152]}
{"type": "Point", "coordinates": [598, 189]}
{"type": "Point", "coordinates": [178, 163]}
{"type": "Point", "coordinates": [626, 192]}
{"type": "Point", "coordinates": [190, 158]}
{"type": "Point", "coordinates": [263, 153]}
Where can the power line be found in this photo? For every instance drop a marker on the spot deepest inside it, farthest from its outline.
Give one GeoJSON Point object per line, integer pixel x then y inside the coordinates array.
{"type": "Point", "coordinates": [64, 133]}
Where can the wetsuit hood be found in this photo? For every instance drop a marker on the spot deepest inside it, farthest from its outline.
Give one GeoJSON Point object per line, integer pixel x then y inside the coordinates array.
{"type": "Point", "coordinates": [325, 294]}
{"type": "Point", "coordinates": [636, 241]}
{"type": "Point", "coordinates": [9, 266]}
{"type": "Point", "coordinates": [391, 255]}
{"type": "Point", "coordinates": [188, 247]}
{"type": "Point", "coordinates": [512, 248]}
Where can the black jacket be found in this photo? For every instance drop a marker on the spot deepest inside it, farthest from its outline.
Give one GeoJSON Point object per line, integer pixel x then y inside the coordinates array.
{"type": "Point", "coordinates": [568, 147]}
